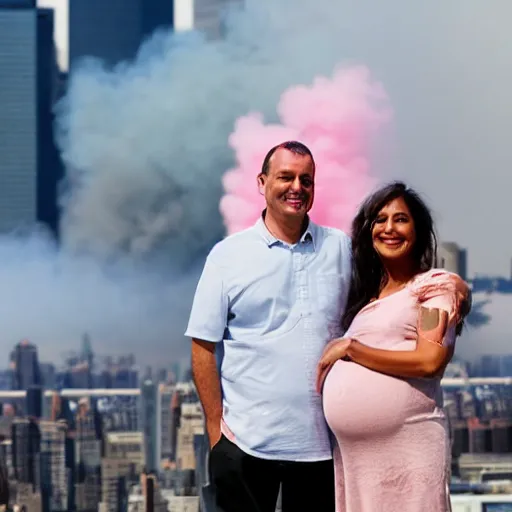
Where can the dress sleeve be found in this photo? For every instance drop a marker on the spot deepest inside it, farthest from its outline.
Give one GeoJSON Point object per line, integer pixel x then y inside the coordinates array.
{"type": "Point", "coordinates": [444, 290]}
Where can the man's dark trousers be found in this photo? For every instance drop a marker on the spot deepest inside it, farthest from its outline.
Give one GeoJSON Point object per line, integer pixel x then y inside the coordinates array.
{"type": "Point", "coordinates": [244, 483]}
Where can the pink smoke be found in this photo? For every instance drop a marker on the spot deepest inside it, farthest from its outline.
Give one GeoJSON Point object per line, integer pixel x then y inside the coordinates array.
{"type": "Point", "coordinates": [336, 120]}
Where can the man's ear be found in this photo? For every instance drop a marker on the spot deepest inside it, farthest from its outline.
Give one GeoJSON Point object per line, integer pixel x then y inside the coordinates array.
{"type": "Point", "coordinates": [261, 183]}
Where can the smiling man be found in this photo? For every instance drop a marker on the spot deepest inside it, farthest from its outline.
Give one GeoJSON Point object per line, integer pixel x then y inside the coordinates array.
{"type": "Point", "coordinates": [269, 299]}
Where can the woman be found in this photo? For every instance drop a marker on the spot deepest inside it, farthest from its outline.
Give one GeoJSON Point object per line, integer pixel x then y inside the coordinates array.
{"type": "Point", "coordinates": [382, 394]}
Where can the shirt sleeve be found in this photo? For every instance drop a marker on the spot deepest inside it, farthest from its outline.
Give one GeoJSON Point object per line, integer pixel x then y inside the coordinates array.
{"type": "Point", "coordinates": [443, 290]}
{"type": "Point", "coordinates": [208, 317]}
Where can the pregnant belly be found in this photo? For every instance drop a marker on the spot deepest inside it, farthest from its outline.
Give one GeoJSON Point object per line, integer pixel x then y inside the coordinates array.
{"type": "Point", "coordinates": [359, 402]}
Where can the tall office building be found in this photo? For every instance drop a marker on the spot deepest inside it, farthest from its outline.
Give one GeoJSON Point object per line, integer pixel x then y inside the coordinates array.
{"type": "Point", "coordinates": [95, 27]}
{"type": "Point", "coordinates": [191, 424]}
{"type": "Point", "coordinates": [26, 452]}
{"type": "Point", "coordinates": [452, 258]}
{"type": "Point", "coordinates": [88, 444]}
{"type": "Point", "coordinates": [150, 421]}
{"type": "Point", "coordinates": [54, 474]}
{"type": "Point", "coordinates": [26, 371]}
{"type": "Point", "coordinates": [18, 114]}
{"type": "Point", "coordinates": [29, 162]}
{"type": "Point", "coordinates": [166, 395]}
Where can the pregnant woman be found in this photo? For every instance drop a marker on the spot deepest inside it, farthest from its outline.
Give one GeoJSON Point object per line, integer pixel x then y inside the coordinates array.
{"type": "Point", "coordinates": [381, 382]}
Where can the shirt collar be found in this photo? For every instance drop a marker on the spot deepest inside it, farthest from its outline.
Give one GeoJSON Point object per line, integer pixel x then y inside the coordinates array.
{"type": "Point", "coordinates": [309, 236]}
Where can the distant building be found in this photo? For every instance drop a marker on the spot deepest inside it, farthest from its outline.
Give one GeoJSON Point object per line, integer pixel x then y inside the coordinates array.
{"type": "Point", "coordinates": [452, 258]}
{"type": "Point", "coordinates": [480, 437]}
{"type": "Point", "coordinates": [191, 425]}
{"type": "Point", "coordinates": [26, 452]}
{"type": "Point", "coordinates": [459, 437]}
{"type": "Point", "coordinates": [94, 27]}
{"type": "Point", "coordinates": [26, 499]}
{"type": "Point", "coordinates": [490, 366]}
{"type": "Point", "coordinates": [54, 473]}
{"type": "Point", "coordinates": [206, 16]}
{"type": "Point", "coordinates": [88, 443]}
{"type": "Point", "coordinates": [148, 496]}
{"type": "Point", "coordinates": [184, 503]}
{"type": "Point", "coordinates": [48, 375]}
{"type": "Point", "coordinates": [26, 371]}
{"type": "Point", "coordinates": [501, 429]}
{"type": "Point", "coordinates": [477, 467]}
{"type": "Point", "coordinates": [175, 406]}
{"type": "Point", "coordinates": [126, 446]}
{"type": "Point", "coordinates": [166, 395]}
{"type": "Point", "coordinates": [115, 475]}
{"type": "Point", "coordinates": [150, 421]}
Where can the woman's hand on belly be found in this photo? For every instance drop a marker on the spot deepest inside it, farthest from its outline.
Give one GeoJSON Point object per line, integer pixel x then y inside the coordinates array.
{"type": "Point", "coordinates": [334, 351]}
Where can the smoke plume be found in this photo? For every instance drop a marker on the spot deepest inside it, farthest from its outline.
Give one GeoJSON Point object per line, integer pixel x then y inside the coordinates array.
{"type": "Point", "coordinates": [336, 119]}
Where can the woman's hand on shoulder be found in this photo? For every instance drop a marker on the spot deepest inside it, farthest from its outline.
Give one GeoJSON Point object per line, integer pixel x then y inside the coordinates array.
{"type": "Point", "coordinates": [335, 350]}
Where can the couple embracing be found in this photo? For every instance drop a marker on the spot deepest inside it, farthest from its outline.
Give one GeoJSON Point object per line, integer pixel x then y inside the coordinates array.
{"type": "Point", "coordinates": [318, 357]}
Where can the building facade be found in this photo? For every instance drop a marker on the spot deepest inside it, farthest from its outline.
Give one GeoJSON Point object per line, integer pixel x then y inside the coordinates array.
{"type": "Point", "coordinates": [18, 114]}
{"type": "Point", "coordinates": [94, 27]}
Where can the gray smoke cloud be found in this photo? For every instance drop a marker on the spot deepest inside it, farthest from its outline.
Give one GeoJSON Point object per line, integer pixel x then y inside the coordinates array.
{"type": "Point", "coordinates": [146, 143]}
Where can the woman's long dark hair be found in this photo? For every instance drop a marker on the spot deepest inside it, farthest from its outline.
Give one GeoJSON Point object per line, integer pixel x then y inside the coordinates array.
{"type": "Point", "coordinates": [368, 275]}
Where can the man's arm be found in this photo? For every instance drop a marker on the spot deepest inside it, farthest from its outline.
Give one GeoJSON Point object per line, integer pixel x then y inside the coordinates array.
{"type": "Point", "coordinates": [207, 382]}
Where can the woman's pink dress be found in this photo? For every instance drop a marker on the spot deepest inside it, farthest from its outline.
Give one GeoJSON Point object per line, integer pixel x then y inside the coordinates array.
{"type": "Point", "coordinates": [392, 452]}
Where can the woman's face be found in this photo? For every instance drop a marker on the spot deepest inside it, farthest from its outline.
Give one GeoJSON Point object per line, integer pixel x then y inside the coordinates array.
{"type": "Point", "coordinates": [393, 232]}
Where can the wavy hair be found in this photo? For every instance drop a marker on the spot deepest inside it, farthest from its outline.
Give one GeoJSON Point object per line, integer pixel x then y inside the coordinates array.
{"type": "Point", "coordinates": [368, 274]}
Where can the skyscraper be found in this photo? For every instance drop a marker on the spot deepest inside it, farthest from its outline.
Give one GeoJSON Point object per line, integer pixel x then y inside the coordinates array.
{"type": "Point", "coordinates": [54, 477]}
{"type": "Point", "coordinates": [114, 30]}
{"type": "Point", "coordinates": [150, 415]}
{"type": "Point", "coordinates": [26, 366]}
{"type": "Point", "coordinates": [26, 450]}
{"type": "Point", "coordinates": [30, 166]}
{"type": "Point", "coordinates": [18, 113]}
{"type": "Point", "coordinates": [88, 457]}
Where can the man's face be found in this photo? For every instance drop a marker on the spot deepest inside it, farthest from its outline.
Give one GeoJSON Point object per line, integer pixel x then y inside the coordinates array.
{"type": "Point", "coordinates": [289, 185]}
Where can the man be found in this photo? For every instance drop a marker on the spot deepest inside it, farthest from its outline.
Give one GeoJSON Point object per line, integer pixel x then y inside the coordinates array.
{"type": "Point", "coordinates": [268, 301]}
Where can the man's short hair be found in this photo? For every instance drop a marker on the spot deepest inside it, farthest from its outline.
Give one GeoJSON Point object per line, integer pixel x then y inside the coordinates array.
{"type": "Point", "coordinates": [292, 145]}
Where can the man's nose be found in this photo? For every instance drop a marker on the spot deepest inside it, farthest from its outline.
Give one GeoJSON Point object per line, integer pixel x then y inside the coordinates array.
{"type": "Point", "coordinates": [296, 185]}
